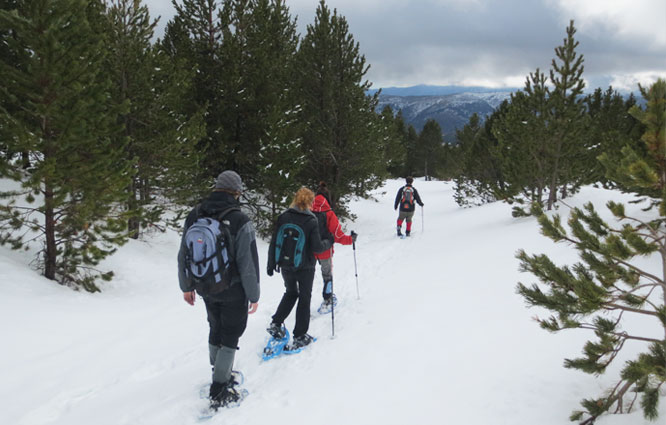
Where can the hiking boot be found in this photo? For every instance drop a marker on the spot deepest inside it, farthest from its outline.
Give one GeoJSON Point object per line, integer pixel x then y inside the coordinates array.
{"type": "Point", "coordinates": [407, 233]}
{"type": "Point", "coordinates": [328, 304]}
{"type": "Point", "coordinates": [299, 342]}
{"type": "Point", "coordinates": [276, 330]}
{"type": "Point", "coordinates": [399, 231]}
{"type": "Point", "coordinates": [223, 395]}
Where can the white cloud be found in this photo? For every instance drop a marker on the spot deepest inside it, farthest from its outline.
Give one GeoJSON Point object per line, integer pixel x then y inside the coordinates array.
{"type": "Point", "coordinates": [631, 81]}
{"type": "Point", "coordinates": [642, 20]}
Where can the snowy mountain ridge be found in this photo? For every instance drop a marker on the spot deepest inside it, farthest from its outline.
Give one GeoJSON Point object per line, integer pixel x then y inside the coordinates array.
{"type": "Point", "coordinates": [451, 111]}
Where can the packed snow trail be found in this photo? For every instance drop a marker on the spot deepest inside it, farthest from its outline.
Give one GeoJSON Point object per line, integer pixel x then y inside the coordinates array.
{"type": "Point", "coordinates": [437, 336]}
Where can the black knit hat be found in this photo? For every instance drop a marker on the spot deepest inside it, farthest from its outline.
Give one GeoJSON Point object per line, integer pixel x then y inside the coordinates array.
{"type": "Point", "coordinates": [323, 191]}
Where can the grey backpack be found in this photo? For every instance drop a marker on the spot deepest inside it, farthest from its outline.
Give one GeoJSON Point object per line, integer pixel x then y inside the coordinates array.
{"type": "Point", "coordinates": [208, 259]}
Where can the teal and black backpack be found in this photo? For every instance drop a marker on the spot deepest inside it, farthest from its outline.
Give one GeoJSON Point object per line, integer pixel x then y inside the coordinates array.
{"type": "Point", "coordinates": [289, 245]}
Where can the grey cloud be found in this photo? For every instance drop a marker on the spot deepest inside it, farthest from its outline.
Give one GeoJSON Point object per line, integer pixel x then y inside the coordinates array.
{"type": "Point", "coordinates": [446, 42]}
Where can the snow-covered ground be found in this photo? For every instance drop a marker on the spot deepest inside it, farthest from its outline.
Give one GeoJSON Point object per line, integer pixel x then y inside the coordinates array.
{"type": "Point", "coordinates": [438, 336]}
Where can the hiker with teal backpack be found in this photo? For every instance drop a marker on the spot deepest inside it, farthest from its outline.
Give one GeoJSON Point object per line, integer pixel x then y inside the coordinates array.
{"type": "Point", "coordinates": [291, 252]}
{"type": "Point", "coordinates": [218, 259]}
{"type": "Point", "coordinates": [407, 198]}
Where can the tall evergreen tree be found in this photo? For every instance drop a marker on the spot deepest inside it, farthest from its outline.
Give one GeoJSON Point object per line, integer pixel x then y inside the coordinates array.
{"type": "Point", "coordinates": [14, 59]}
{"type": "Point", "coordinates": [157, 134]}
{"type": "Point", "coordinates": [430, 151]}
{"type": "Point", "coordinates": [412, 161]}
{"type": "Point", "coordinates": [610, 285]}
{"type": "Point", "coordinates": [566, 147]}
{"type": "Point", "coordinates": [479, 177]}
{"type": "Point", "coordinates": [259, 125]}
{"type": "Point", "coordinates": [194, 34]}
{"type": "Point", "coordinates": [395, 133]}
{"type": "Point", "coordinates": [77, 175]}
{"type": "Point", "coordinates": [342, 133]}
{"type": "Point", "coordinates": [130, 31]}
{"type": "Point", "coordinates": [610, 128]}
{"type": "Point", "coordinates": [522, 134]}
{"type": "Point", "coordinates": [643, 171]}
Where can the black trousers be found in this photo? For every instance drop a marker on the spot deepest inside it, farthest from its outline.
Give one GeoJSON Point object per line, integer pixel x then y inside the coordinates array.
{"type": "Point", "coordinates": [298, 286]}
{"type": "Point", "coordinates": [227, 316]}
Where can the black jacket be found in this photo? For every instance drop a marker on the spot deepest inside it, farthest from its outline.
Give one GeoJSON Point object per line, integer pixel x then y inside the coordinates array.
{"type": "Point", "coordinates": [409, 208]}
{"type": "Point", "coordinates": [244, 255]}
{"type": "Point", "coordinates": [313, 243]}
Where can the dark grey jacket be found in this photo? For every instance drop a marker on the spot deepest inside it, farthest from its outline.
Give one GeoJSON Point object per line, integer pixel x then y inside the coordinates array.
{"type": "Point", "coordinates": [246, 270]}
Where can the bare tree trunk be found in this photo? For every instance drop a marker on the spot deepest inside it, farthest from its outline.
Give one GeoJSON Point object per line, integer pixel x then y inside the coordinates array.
{"type": "Point", "coordinates": [49, 229]}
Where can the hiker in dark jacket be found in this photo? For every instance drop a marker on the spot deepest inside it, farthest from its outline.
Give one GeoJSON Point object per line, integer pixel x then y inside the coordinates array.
{"type": "Point", "coordinates": [228, 310]}
{"type": "Point", "coordinates": [332, 231]}
{"type": "Point", "coordinates": [297, 279]}
{"type": "Point", "coordinates": [407, 198]}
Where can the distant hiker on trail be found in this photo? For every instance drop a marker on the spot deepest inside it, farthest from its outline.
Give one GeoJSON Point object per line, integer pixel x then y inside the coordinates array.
{"type": "Point", "coordinates": [291, 252]}
{"type": "Point", "coordinates": [224, 270]}
{"type": "Point", "coordinates": [406, 199]}
{"type": "Point", "coordinates": [329, 228]}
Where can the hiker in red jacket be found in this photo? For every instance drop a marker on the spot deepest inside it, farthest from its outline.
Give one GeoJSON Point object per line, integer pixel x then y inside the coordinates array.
{"type": "Point", "coordinates": [329, 228]}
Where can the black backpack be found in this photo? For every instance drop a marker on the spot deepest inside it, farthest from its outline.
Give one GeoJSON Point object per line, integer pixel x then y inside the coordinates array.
{"type": "Point", "coordinates": [407, 197]}
{"type": "Point", "coordinates": [322, 221]}
{"type": "Point", "coordinates": [208, 254]}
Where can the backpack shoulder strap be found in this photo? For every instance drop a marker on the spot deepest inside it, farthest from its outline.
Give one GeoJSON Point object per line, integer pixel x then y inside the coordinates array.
{"type": "Point", "coordinates": [221, 216]}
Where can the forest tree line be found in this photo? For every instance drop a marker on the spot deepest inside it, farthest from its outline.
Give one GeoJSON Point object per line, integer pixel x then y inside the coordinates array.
{"type": "Point", "coordinates": [104, 127]}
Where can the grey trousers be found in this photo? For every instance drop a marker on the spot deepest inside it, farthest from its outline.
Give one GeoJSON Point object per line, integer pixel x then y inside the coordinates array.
{"type": "Point", "coordinates": [327, 276]}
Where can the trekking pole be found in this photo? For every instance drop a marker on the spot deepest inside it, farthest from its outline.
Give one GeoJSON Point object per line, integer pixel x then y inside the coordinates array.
{"type": "Point", "coordinates": [332, 311]}
{"type": "Point", "coordinates": [358, 296]}
{"type": "Point", "coordinates": [422, 219]}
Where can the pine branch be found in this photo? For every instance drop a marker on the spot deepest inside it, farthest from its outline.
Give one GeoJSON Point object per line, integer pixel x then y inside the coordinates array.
{"type": "Point", "coordinates": [612, 306]}
{"type": "Point", "coordinates": [623, 335]}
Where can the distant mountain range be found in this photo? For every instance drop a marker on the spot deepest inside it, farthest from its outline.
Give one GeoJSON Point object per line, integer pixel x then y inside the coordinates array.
{"type": "Point", "coordinates": [450, 106]}
{"type": "Point", "coordinates": [428, 90]}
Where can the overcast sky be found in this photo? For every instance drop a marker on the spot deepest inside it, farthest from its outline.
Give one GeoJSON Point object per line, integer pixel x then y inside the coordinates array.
{"type": "Point", "coordinates": [494, 43]}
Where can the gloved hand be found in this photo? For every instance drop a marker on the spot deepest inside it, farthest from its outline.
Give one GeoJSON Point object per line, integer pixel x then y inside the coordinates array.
{"type": "Point", "coordinates": [269, 270]}
{"type": "Point", "coordinates": [354, 235]}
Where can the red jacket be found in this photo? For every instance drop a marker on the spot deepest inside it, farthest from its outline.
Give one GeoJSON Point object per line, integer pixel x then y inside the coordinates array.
{"type": "Point", "coordinates": [320, 204]}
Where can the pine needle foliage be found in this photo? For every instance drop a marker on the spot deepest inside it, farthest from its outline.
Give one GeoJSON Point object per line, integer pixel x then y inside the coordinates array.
{"type": "Point", "coordinates": [70, 176]}
{"type": "Point", "coordinates": [608, 285]}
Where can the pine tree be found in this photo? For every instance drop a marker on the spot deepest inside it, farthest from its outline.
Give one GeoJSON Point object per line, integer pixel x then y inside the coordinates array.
{"type": "Point", "coordinates": [412, 161]}
{"type": "Point", "coordinates": [342, 133]}
{"type": "Point", "coordinates": [522, 132]}
{"type": "Point", "coordinates": [195, 35]}
{"type": "Point", "coordinates": [395, 133]}
{"type": "Point", "coordinates": [130, 30]}
{"type": "Point", "coordinates": [174, 167]}
{"type": "Point", "coordinates": [610, 285]}
{"type": "Point", "coordinates": [14, 59]}
{"type": "Point", "coordinates": [429, 151]}
{"type": "Point", "coordinates": [158, 136]}
{"type": "Point", "coordinates": [480, 177]}
{"type": "Point", "coordinates": [567, 114]}
{"type": "Point", "coordinates": [611, 128]}
{"type": "Point", "coordinates": [259, 125]}
{"type": "Point", "coordinates": [643, 171]}
{"type": "Point", "coordinates": [69, 196]}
